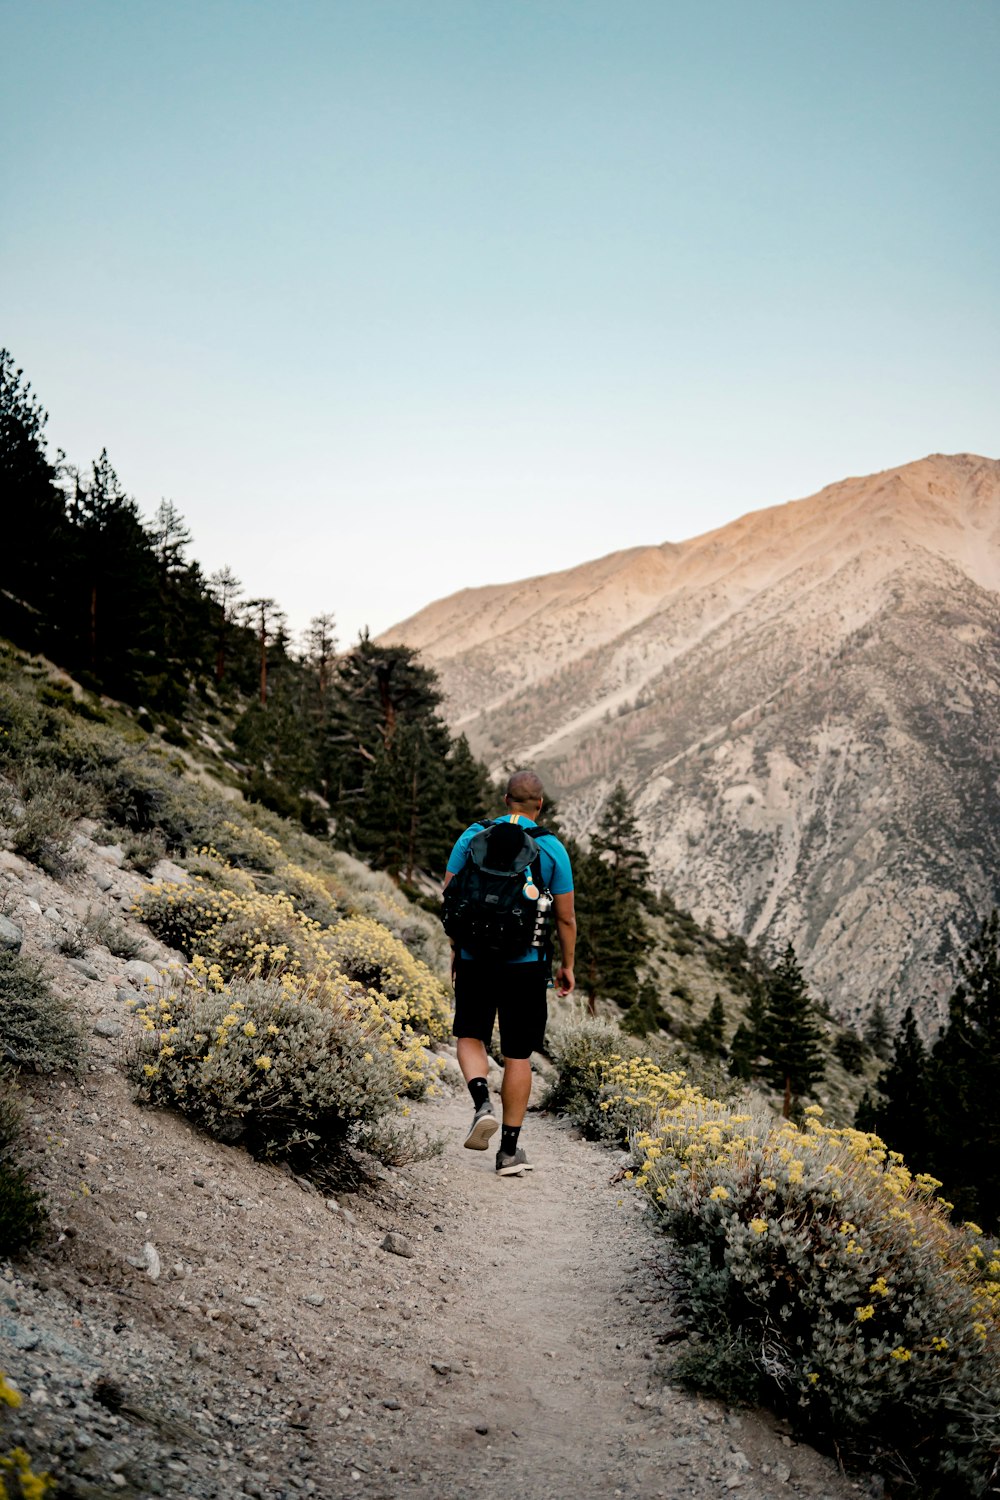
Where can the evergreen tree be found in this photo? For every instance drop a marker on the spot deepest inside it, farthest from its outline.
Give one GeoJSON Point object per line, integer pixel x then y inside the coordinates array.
{"type": "Point", "coordinates": [472, 792]}
{"type": "Point", "coordinates": [613, 890]}
{"type": "Point", "coordinates": [746, 1046]}
{"type": "Point", "coordinates": [710, 1031]}
{"type": "Point", "coordinates": [850, 1051]}
{"type": "Point", "coordinates": [877, 1033]}
{"type": "Point", "coordinates": [790, 1037]}
{"type": "Point", "coordinates": [965, 1085]}
{"type": "Point", "coordinates": [113, 629]}
{"type": "Point", "coordinates": [34, 551]}
{"type": "Point", "coordinates": [224, 589]}
{"type": "Point", "coordinates": [900, 1114]}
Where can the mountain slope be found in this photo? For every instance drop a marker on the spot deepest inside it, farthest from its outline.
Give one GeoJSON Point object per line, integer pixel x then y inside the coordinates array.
{"type": "Point", "coordinates": [804, 704]}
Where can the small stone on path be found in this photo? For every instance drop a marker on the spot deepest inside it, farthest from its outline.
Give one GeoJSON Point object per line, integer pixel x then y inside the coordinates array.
{"type": "Point", "coordinates": [398, 1244]}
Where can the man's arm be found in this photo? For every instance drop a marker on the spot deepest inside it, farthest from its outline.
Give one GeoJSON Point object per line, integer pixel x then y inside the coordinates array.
{"type": "Point", "coordinates": [565, 911]}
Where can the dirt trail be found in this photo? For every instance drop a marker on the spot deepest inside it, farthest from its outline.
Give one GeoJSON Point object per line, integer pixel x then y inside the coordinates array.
{"type": "Point", "coordinates": [562, 1295]}
{"type": "Point", "coordinates": [271, 1346]}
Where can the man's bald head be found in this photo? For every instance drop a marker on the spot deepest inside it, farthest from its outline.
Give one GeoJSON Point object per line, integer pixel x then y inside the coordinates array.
{"type": "Point", "coordinates": [524, 788]}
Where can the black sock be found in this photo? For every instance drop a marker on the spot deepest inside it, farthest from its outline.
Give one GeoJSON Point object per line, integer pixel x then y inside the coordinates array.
{"type": "Point", "coordinates": [508, 1139]}
{"type": "Point", "coordinates": [480, 1091]}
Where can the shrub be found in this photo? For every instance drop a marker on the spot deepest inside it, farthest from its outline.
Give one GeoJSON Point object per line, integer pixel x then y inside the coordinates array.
{"type": "Point", "coordinates": [18, 1480]}
{"type": "Point", "coordinates": [580, 1049]}
{"type": "Point", "coordinates": [22, 1211]}
{"type": "Point", "coordinates": [42, 816]}
{"type": "Point", "coordinates": [363, 950]}
{"type": "Point", "coordinates": [862, 1309]}
{"type": "Point", "coordinates": [255, 1062]}
{"type": "Point", "coordinates": [108, 931]}
{"type": "Point", "coordinates": [37, 1029]}
{"type": "Point", "coordinates": [241, 930]}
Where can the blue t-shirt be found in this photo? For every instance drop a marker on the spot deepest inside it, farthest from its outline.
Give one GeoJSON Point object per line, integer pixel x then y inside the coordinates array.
{"type": "Point", "coordinates": [556, 871]}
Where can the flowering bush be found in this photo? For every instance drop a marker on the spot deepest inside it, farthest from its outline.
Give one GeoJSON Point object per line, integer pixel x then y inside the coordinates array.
{"type": "Point", "coordinates": [237, 928]}
{"type": "Point", "coordinates": [363, 950]}
{"type": "Point", "coordinates": [259, 1062]}
{"type": "Point", "coordinates": [813, 1256]}
{"type": "Point", "coordinates": [18, 1480]}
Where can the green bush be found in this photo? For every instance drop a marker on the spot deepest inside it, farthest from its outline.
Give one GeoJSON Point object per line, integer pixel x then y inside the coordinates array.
{"type": "Point", "coordinates": [578, 1049]}
{"type": "Point", "coordinates": [257, 1065]}
{"type": "Point", "coordinates": [108, 931]}
{"type": "Point", "coordinates": [37, 1028]}
{"type": "Point", "coordinates": [22, 1210]}
{"type": "Point", "coordinates": [41, 814]}
{"type": "Point", "coordinates": [860, 1309]}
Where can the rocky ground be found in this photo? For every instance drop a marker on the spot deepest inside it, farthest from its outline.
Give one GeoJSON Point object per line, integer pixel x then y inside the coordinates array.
{"type": "Point", "coordinates": [198, 1324]}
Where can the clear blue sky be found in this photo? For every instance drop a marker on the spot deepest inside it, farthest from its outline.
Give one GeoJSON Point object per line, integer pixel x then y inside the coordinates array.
{"type": "Point", "coordinates": [391, 296]}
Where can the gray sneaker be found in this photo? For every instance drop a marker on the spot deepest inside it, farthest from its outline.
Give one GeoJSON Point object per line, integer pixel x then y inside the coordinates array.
{"type": "Point", "coordinates": [484, 1125]}
{"type": "Point", "coordinates": [513, 1166]}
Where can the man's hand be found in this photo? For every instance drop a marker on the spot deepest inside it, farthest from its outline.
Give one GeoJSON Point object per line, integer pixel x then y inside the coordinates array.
{"type": "Point", "coordinates": [565, 983]}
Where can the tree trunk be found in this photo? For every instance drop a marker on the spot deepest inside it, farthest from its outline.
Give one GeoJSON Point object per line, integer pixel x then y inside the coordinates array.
{"type": "Point", "coordinates": [786, 1107]}
{"type": "Point", "coordinates": [263, 662]}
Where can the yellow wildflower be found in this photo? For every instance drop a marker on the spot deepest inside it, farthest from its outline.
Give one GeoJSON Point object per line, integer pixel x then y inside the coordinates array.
{"type": "Point", "coordinates": [881, 1286]}
{"type": "Point", "coordinates": [759, 1226]}
{"type": "Point", "coordinates": [263, 1063]}
{"type": "Point", "coordinates": [8, 1395]}
{"type": "Point", "coordinates": [250, 1029]}
{"type": "Point", "coordinates": [901, 1354]}
{"type": "Point", "coordinates": [864, 1313]}
{"type": "Point", "coordinates": [719, 1192]}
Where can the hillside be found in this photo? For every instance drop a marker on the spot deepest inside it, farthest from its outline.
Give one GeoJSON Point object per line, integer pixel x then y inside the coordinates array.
{"type": "Point", "coordinates": [195, 1321]}
{"type": "Point", "coordinates": [803, 705]}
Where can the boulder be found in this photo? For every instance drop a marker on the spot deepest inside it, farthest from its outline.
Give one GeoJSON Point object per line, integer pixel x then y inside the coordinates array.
{"type": "Point", "coordinates": [11, 936]}
{"type": "Point", "coordinates": [141, 975]}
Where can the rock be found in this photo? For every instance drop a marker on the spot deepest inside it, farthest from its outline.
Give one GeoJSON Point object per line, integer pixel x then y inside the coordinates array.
{"type": "Point", "coordinates": [440, 1367]}
{"type": "Point", "coordinates": [113, 853]}
{"type": "Point", "coordinates": [141, 974]}
{"type": "Point", "coordinates": [398, 1244]}
{"type": "Point", "coordinates": [198, 1352]}
{"type": "Point", "coordinates": [11, 936]}
{"type": "Point", "coordinates": [782, 1472]}
{"type": "Point", "coordinates": [391, 1404]}
{"type": "Point", "coordinates": [52, 914]}
{"type": "Point", "coordinates": [148, 1261]}
{"type": "Point", "coordinates": [314, 1299]}
{"type": "Point", "coordinates": [108, 1028]}
{"type": "Point", "coordinates": [482, 1429]}
{"type": "Point", "coordinates": [12, 864]}
{"type": "Point", "coordinates": [102, 880]}
{"type": "Point", "coordinates": [81, 966]}
{"type": "Point", "coordinates": [333, 1205]}
{"type": "Point", "coordinates": [33, 906]}
{"type": "Point", "coordinates": [165, 871]}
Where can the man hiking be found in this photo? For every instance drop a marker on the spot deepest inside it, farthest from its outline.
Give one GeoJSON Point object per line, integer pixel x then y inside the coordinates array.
{"type": "Point", "coordinates": [507, 873]}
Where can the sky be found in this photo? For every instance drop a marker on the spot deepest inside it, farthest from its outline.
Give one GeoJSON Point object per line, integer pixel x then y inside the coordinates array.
{"type": "Point", "coordinates": [395, 297]}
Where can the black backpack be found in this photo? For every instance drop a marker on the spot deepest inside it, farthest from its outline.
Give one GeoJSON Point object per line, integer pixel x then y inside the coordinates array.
{"type": "Point", "coordinates": [491, 907]}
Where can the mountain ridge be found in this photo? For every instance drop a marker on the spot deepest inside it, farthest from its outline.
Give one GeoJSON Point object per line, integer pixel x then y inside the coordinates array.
{"type": "Point", "coordinates": [867, 616]}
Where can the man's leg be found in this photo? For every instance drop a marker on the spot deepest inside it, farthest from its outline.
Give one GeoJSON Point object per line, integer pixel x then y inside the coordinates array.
{"type": "Point", "coordinates": [515, 1090]}
{"type": "Point", "coordinates": [472, 1058]}
{"type": "Point", "coordinates": [475, 1013]}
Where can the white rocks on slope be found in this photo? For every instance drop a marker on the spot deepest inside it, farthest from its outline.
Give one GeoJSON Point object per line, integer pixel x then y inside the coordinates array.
{"type": "Point", "coordinates": [804, 703]}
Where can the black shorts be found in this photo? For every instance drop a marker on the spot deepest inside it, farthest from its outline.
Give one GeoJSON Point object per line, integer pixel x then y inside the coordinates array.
{"type": "Point", "coordinates": [516, 991]}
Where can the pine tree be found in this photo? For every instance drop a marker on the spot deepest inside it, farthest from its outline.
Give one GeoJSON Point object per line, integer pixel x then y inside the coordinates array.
{"type": "Point", "coordinates": [877, 1033]}
{"type": "Point", "coordinates": [790, 1037]}
{"type": "Point", "coordinates": [33, 557]}
{"type": "Point", "coordinates": [900, 1113]}
{"type": "Point", "coordinates": [613, 890]}
{"type": "Point", "coordinates": [964, 1078]}
{"type": "Point", "coordinates": [850, 1051]}
{"type": "Point", "coordinates": [710, 1032]}
{"type": "Point", "coordinates": [746, 1046]}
